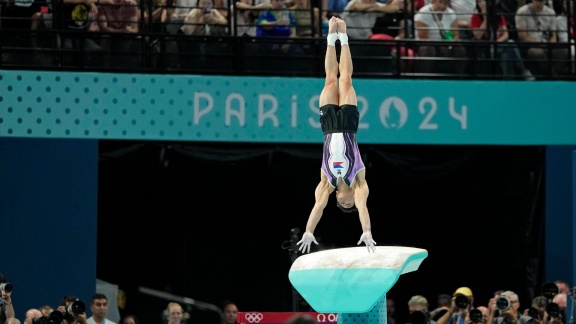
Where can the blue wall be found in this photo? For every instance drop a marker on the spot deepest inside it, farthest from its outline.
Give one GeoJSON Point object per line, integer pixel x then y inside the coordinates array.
{"type": "Point", "coordinates": [48, 216]}
{"type": "Point", "coordinates": [560, 213]}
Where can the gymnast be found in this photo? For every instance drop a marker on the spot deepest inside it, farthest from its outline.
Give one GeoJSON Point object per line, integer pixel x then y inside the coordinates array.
{"type": "Point", "coordinates": [342, 166]}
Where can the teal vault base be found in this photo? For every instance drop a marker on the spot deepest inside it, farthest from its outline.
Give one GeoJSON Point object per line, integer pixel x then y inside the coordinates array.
{"type": "Point", "coordinates": [352, 281]}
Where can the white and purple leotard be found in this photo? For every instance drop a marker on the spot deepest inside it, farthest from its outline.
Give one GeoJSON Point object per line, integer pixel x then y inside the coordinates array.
{"type": "Point", "coordinates": [341, 158]}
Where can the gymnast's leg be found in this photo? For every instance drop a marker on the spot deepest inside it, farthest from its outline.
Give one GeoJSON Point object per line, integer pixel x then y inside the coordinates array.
{"type": "Point", "coordinates": [329, 94]}
{"type": "Point", "coordinates": [347, 92]}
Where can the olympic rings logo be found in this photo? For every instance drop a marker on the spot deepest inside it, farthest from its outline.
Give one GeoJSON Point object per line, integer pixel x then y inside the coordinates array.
{"type": "Point", "coordinates": [321, 318]}
{"type": "Point", "coordinates": [253, 317]}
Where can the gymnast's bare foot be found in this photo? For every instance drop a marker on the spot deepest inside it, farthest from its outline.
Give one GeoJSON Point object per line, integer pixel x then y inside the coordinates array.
{"type": "Point", "coordinates": [341, 25]}
{"type": "Point", "coordinates": [332, 25]}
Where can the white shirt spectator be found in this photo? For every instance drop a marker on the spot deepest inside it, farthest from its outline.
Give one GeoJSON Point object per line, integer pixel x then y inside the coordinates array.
{"type": "Point", "coordinates": [435, 20]}
{"type": "Point", "coordinates": [359, 23]}
{"type": "Point", "coordinates": [91, 320]}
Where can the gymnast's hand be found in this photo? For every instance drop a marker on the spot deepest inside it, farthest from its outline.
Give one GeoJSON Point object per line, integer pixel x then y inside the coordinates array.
{"type": "Point", "coordinates": [306, 241]}
{"type": "Point", "coordinates": [367, 239]}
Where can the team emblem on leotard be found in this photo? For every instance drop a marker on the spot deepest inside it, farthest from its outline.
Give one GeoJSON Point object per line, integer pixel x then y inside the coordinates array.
{"type": "Point", "coordinates": [337, 165]}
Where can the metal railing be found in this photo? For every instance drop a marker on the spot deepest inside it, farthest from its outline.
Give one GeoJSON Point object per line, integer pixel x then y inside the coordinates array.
{"type": "Point", "coordinates": [156, 50]}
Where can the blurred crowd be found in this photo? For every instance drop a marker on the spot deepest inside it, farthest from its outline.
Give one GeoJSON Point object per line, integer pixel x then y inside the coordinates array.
{"type": "Point", "coordinates": [460, 307]}
{"type": "Point", "coordinates": [527, 38]}
{"type": "Point", "coordinates": [502, 308]}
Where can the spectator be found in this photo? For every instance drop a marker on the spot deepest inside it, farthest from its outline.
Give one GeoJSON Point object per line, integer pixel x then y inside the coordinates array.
{"type": "Point", "coordinates": [464, 10]}
{"type": "Point", "coordinates": [244, 17]}
{"type": "Point", "coordinates": [119, 22]}
{"type": "Point", "coordinates": [178, 11]}
{"type": "Point", "coordinates": [307, 19]}
{"type": "Point", "coordinates": [278, 23]}
{"type": "Point", "coordinates": [507, 9]}
{"type": "Point", "coordinates": [20, 18]}
{"type": "Point", "coordinates": [536, 26]}
{"type": "Point", "coordinates": [77, 17]}
{"type": "Point", "coordinates": [437, 22]}
{"type": "Point", "coordinates": [175, 313]}
{"type": "Point", "coordinates": [334, 8]}
{"type": "Point", "coordinates": [230, 311]}
{"type": "Point", "coordinates": [507, 54]}
{"type": "Point", "coordinates": [205, 20]}
{"type": "Point", "coordinates": [163, 48]}
{"type": "Point", "coordinates": [565, 27]}
{"type": "Point", "coordinates": [222, 6]}
{"type": "Point", "coordinates": [361, 15]}
{"type": "Point", "coordinates": [99, 308]}
{"type": "Point", "coordinates": [399, 25]}
{"type": "Point", "coordinates": [130, 319]}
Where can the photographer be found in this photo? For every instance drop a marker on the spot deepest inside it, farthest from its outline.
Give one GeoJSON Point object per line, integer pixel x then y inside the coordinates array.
{"type": "Point", "coordinates": [505, 310]}
{"type": "Point", "coordinates": [556, 310]}
{"type": "Point", "coordinates": [6, 308]}
{"type": "Point", "coordinates": [462, 303]}
{"type": "Point", "coordinates": [418, 307]}
{"type": "Point", "coordinates": [537, 309]}
{"type": "Point", "coordinates": [32, 316]}
{"type": "Point", "coordinates": [478, 315]}
{"type": "Point", "coordinates": [73, 310]}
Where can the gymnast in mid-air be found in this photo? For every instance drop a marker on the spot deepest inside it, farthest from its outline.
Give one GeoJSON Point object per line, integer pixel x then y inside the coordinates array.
{"type": "Point", "coordinates": [342, 166]}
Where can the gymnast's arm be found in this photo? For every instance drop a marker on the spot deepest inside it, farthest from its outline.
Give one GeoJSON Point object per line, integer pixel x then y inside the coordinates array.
{"type": "Point", "coordinates": [360, 198]}
{"type": "Point", "coordinates": [322, 193]}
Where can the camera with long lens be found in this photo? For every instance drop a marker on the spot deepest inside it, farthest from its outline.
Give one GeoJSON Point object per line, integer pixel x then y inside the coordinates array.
{"type": "Point", "coordinates": [549, 290]}
{"type": "Point", "coordinates": [476, 316]}
{"type": "Point", "coordinates": [419, 317]}
{"type": "Point", "coordinates": [73, 306]}
{"type": "Point", "coordinates": [533, 312]}
{"type": "Point", "coordinates": [76, 308]}
{"type": "Point", "coordinates": [509, 318]}
{"type": "Point", "coordinates": [553, 310]}
{"type": "Point", "coordinates": [461, 301]}
{"type": "Point", "coordinates": [6, 287]}
{"type": "Point", "coordinates": [503, 304]}
{"type": "Point", "coordinates": [54, 318]}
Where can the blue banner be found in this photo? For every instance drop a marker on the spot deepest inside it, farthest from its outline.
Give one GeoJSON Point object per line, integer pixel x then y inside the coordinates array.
{"type": "Point", "coordinates": [277, 110]}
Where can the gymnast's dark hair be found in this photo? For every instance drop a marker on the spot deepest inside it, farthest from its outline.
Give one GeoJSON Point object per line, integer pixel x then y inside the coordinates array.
{"type": "Point", "coordinates": [346, 210]}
